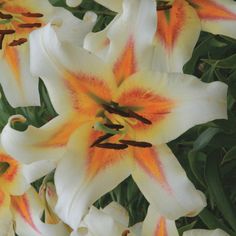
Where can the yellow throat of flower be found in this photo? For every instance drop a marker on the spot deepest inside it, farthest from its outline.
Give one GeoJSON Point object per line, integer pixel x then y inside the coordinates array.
{"type": "Point", "coordinates": [16, 23]}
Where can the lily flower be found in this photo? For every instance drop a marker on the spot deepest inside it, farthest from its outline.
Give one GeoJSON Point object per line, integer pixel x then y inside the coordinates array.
{"type": "Point", "coordinates": [115, 118]}
{"type": "Point", "coordinates": [113, 220]}
{"type": "Point", "coordinates": [15, 179]}
{"type": "Point", "coordinates": [178, 28]}
{"type": "Point", "coordinates": [113, 216]}
{"type": "Point", "coordinates": [17, 20]}
{"type": "Point", "coordinates": [27, 211]}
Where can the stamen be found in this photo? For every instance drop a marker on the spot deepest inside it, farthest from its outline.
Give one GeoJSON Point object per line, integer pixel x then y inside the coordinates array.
{"type": "Point", "coordinates": [164, 8]}
{"type": "Point", "coordinates": [100, 139]}
{"type": "Point", "coordinates": [1, 40]}
{"type": "Point", "coordinates": [5, 16]}
{"type": "Point", "coordinates": [33, 15]}
{"type": "Point", "coordinates": [30, 25]}
{"type": "Point", "coordinates": [139, 117]}
{"type": "Point", "coordinates": [2, 35]}
{"type": "Point", "coordinates": [163, 5]}
{"type": "Point", "coordinates": [7, 31]}
{"type": "Point", "coordinates": [130, 113]}
{"type": "Point", "coordinates": [114, 110]}
{"type": "Point", "coordinates": [112, 146]}
{"type": "Point", "coordinates": [125, 233]}
{"type": "Point", "coordinates": [114, 126]}
{"type": "Point", "coordinates": [136, 143]}
{"type": "Point", "coordinates": [17, 42]}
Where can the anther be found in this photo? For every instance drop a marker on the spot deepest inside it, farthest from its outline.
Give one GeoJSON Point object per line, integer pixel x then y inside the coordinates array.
{"type": "Point", "coordinates": [136, 143]}
{"type": "Point", "coordinates": [139, 117]}
{"type": "Point", "coordinates": [33, 15]}
{"type": "Point", "coordinates": [100, 139]}
{"type": "Point", "coordinates": [116, 146]}
{"type": "Point", "coordinates": [17, 42]}
{"type": "Point", "coordinates": [164, 8]}
{"type": "Point", "coordinates": [163, 5]}
{"type": "Point", "coordinates": [115, 110]}
{"type": "Point", "coordinates": [2, 35]}
{"type": "Point", "coordinates": [5, 16]}
{"type": "Point", "coordinates": [10, 31]}
{"type": "Point", "coordinates": [114, 126]}
{"type": "Point", "coordinates": [30, 25]}
{"type": "Point", "coordinates": [1, 40]}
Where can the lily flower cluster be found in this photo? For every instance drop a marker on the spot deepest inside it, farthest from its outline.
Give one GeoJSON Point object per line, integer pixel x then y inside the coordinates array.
{"type": "Point", "coordinates": [120, 96]}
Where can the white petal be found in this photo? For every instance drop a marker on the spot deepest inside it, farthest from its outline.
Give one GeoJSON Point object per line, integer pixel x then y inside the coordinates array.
{"type": "Point", "coordinates": [157, 225]}
{"type": "Point", "coordinates": [73, 3]}
{"type": "Point", "coordinates": [93, 178]}
{"type": "Point", "coordinates": [164, 183]}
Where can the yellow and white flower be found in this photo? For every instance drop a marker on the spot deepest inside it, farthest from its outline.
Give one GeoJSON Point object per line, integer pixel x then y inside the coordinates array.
{"type": "Point", "coordinates": [113, 220]}
{"type": "Point", "coordinates": [178, 27]}
{"type": "Point", "coordinates": [17, 20]}
{"type": "Point", "coordinates": [115, 117]}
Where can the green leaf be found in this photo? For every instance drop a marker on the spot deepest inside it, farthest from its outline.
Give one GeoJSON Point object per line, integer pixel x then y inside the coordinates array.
{"type": "Point", "coordinates": [196, 163]}
{"type": "Point", "coordinates": [212, 222]}
{"type": "Point", "coordinates": [230, 155]}
{"type": "Point", "coordinates": [217, 191]}
{"type": "Point", "coordinates": [203, 140]}
{"type": "Point", "coordinates": [186, 227]}
{"type": "Point", "coordinates": [227, 63]}
{"type": "Point", "coordinates": [3, 167]}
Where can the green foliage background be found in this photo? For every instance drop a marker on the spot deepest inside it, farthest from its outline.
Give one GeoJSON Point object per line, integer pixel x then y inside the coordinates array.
{"type": "Point", "coordinates": [206, 152]}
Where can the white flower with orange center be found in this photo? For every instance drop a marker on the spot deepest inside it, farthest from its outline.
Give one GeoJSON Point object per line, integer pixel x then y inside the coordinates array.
{"type": "Point", "coordinates": [15, 179]}
{"type": "Point", "coordinates": [17, 20]}
{"type": "Point", "coordinates": [115, 117]}
{"type": "Point", "coordinates": [28, 210]}
{"type": "Point", "coordinates": [178, 28]}
{"type": "Point", "coordinates": [113, 220]}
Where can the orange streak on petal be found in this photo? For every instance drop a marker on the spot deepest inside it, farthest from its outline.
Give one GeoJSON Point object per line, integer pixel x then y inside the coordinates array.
{"type": "Point", "coordinates": [106, 42]}
{"type": "Point", "coordinates": [99, 159]}
{"type": "Point", "coordinates": [12, 58]}
{"type": "Point", "coordinates": [170, 26]}
{"type": "Point", "coordinates": [12, 170]}
{"type": "Point", "coordinates": [149, 105]}
{"type": "Point", "coordinates": [82, 87]}
{"type": "Point", "coordinates": [61, 137]}
{"type": "Point", "coordinates": [2, 197]}
{"type": "Point", "coordinates": [149, 161]}
{"type": "Point", "coordinates": [21, 205]}
{"type": "Point", "coordinates": [161, 228]}
{"type": "Point", "coordinates": [209, 10]}
{"type": "Point", "coordinates": [125, 66]}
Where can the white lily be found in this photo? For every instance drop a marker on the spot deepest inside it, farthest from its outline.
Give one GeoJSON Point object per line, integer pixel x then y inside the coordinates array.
{"type": "Point", "coordinates": [17, 20]}
{"type": "Point", "coordinates": [115, 117]}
